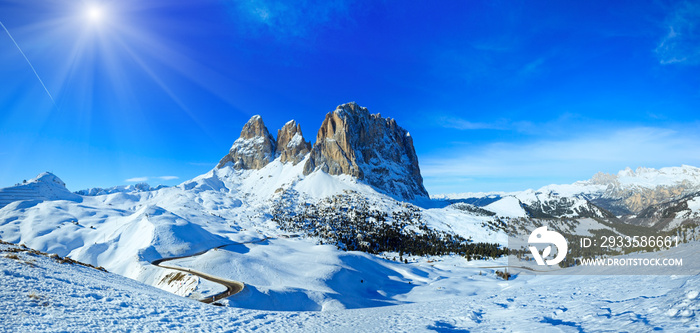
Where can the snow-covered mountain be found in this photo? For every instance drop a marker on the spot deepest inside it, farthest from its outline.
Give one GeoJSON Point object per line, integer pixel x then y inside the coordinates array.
{"type": "Point", "coordinates": [139, 187]}
{"type": "Point", "coordinates": [630, 192]}
{"type": "Point", "coordinates": [669, 214]}
{"type": "Point", "coordinates": [369, 147]}
{"type": "Point", "coordinates": [124, 232]}
{"type": "Point", "coordinates": [626, 195]}
{"type": "Point", "coordinates": [239, 201]}
{"type": "Point", "coordinates": [552, 205]}
{"type": "Point", "coordinates": [45, 186]}
{"type": "Point", "coordinates": [531, 204]}
{"type": "Point", "coordinates": [329, 226]}
{"type": "Point", "coordinates": [351, 141]}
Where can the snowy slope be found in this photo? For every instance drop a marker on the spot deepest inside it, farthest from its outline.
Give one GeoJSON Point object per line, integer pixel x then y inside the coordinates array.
{"type": "Point", "coordinates": [509, 206]}
{"type": "Point", "coordinates": [48, 296]}
{"type": "Point", "coordinates": [544, 204]}
{"type": "Point", "coordinates": [125, 231]}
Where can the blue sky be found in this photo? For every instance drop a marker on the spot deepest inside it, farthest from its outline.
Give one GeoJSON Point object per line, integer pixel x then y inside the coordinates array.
{"type": "Point", "coordinates": [498, 95]}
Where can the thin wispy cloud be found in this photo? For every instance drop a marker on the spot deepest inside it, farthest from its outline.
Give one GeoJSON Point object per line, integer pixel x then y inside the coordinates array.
{"type": "Point", "coordinates": [207, 164]}
{"type": "Point", "coordinates": [284, 19]}
{"type": "Point", "coordinates": [578, 157]}
{"type": "Point", "coordinates": [681, 44]}
{"type": "Point", "coordinates": [532, 67]}
{"type": "Point", "coordinates": [145, 179]}
{"type": "Point", "coordinates": [137, 180]}
{"type": "Point", "coordinates": [463, 124]}
{"type": "Point", "coordinates": [553, 127]}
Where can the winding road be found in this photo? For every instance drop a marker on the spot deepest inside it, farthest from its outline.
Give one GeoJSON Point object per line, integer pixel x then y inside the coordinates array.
{"type": "Point", "coordinates": [232, 287]}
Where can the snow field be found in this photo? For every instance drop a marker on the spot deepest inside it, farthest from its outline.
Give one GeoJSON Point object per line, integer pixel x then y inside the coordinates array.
{"type": "Point", "coordinates": [40, 294]}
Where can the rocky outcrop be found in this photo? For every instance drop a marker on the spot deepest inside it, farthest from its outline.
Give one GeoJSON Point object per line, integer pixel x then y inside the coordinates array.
{"type": "Point", "coordinates": [670, 214]}
{"type": "Point", "coordinates": [354, 142]}
{"type": "Point", "coordinates": [631, 192]}
{"type": "Point", "coordinates": [254, 149]}
{"type": "Point", "coordinates": [291, 146]}
{"type": "Point", "coordinates": [351, 141]}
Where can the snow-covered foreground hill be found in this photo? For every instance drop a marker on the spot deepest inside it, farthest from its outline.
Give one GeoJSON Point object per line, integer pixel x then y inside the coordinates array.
{"type": "Point", "coordinates": [40, 294]}
{"type": "Point", "coordinates": [291, 237]}
{"type": "Point", "coordinates": [287, 273]}
{"type": "Point", "coordinates": [124, 232]}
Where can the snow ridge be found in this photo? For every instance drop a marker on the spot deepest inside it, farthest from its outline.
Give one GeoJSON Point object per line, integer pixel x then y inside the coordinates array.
{"type": "Point", "coordinates": [46, 186]}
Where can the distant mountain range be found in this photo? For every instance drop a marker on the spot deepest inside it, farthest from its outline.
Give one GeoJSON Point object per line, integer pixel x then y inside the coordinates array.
{"type": "Point", "coordinates": [647, 196]}
{"type": "Point", "coordinates": [138, 187]}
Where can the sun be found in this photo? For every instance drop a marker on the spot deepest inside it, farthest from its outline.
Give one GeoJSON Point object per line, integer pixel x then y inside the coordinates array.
{"type": "Point", "coordinates": [95, 14]}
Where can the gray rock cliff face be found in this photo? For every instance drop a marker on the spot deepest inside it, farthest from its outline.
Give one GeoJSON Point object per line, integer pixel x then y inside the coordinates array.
{"type": "Point", "coordinates": [369, 147]}
{"type": "Point", "coordinates": [624, 199]}
{"type": "Point", "coordinates": [291, 146]}
{"type": "Point", "coordinates": [254, 149]}
{"type": "Point", "coordinates": [351, 141]}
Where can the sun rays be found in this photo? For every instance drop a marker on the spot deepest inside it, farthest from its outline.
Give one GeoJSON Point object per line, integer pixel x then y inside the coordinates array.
{"type": "Point", "coordinates": [94, 14]}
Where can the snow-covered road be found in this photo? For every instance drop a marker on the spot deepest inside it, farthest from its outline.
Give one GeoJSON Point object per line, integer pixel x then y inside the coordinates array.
{"type": "Point", "coordinates": [232, 287]}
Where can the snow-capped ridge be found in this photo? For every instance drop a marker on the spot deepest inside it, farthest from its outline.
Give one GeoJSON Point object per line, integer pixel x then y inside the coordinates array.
{"type": "Point", "coordinates": [254, 149]}
{"type": "Point", "coordinates": [630, 191]}
{"type": "Point", "coordinates": [48, 178]}
{"type": "Point", "coordinates": [670, 214]}
{"type": "Point", "coordinates": [135, 188]}
{"type": "Point", "coordinates": [291, 146]}
{"type": "Point", "coordinates": [626, 192]}
{"type": "Point", "coordinates": [508, 206]}
{"type": "Point", "coordinates": [643, 177]}
{"type": "Point", "coordinates": [46, 186]}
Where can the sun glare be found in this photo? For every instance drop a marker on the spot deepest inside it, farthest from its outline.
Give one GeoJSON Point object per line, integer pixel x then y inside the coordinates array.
{"type": "Point", "coordinates": [94, 14]}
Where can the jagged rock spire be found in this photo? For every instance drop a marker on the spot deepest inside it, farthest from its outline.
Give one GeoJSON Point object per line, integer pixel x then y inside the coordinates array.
{"type": "Point", "coordinates": [291, 146]}
{"type": "Point", "coordinates": [254, 149]}
{"type": "Point", "coordinates": [366, 146]}
{"type": "Point", "coordinates": [351, 141]}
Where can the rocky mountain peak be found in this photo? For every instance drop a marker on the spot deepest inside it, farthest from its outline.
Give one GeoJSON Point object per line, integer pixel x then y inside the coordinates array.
{"type": "Point", "coordinates": [602, 178]}
{"type": "Point", "coordinates": [369, 147]}
{"type": "Point", "coordinates": [291, 146]}
{"type": "Point", "coordinates": [351, 141]}
{"type": "Point", "coordinates": [255, 127]}
{"type": "Point", "coordinates": [631, 191]}
{"type": "Point", "coordinates": [254, 149]}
